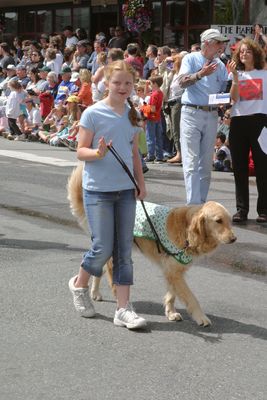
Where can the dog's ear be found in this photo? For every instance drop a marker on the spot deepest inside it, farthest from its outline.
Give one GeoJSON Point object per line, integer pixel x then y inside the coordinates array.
{"type": "Point", "coordinates": [196, 233]}
{"type": "Point", "coordinates": [177, 225]}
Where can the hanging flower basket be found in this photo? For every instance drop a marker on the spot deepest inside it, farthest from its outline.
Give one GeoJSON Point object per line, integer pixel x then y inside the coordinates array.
{"type": "Point", "coordinates": [137, 15]}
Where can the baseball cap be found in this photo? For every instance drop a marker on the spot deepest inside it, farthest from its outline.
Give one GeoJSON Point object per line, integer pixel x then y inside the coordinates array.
{"type": "Point", "coordinates": [74, 76]}
{"type": "Point", "coordinates": [214, 34]}
{"type": "Point", "coordinates": [21, 67]}
{"type": "Point", "coordinates": [45, 69]}
{"type": "Point", "coordinates": [65, 70]}
{"type": "Point", "coordinates": [11, 66]}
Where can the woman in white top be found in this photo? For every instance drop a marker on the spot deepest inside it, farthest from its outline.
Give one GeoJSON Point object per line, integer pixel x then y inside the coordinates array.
{"type": "Point", "coordinates": [248, 118]}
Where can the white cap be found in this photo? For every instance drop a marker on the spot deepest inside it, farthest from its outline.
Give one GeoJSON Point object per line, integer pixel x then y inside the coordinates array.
{"type": "Point", "coordinates": [11, 66]}
{"type": "Point", "coordinates": [214, 34]}
{"type": "Point", "coordinates": [74, 76]}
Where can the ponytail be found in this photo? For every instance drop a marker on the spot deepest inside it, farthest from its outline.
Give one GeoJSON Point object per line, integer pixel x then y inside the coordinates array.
{"type": "Point", "coordinates": [133, 114]}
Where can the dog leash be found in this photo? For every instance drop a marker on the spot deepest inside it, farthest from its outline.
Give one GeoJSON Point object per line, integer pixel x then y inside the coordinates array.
{"type": "Point", "coordinates": [157, 238]}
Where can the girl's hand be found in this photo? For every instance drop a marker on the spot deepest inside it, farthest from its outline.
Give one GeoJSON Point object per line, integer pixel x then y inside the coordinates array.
{"type": "Point", "coordinates": [142, 194]}
{"type": "Point", "coordinates": [102, 147]}
{"type": "Point", "coordinates": [231, 65]}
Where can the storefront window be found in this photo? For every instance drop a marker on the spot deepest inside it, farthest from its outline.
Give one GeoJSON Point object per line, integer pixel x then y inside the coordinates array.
{"type": "Point", "coordinates": [156, 5]}
{"type": "Point", "coordinates": [200, 12]}
{"type": "Point", "coordinates": [8, 26]}
{"type": "Point", "coordinates": [81, 18]}
{"type": "Point", "coordinates": [176, 12]}
{"type": "Point", "coordinates": [62, 18]}
{"type": "Point", "coordinates": [229, 12]}
{"type": "Point", "coordinates": [44, 21]}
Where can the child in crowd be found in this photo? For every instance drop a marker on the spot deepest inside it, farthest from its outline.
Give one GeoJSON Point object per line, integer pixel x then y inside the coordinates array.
{"type": "Point", "coordinates": [222, 155]}
{"type": "Point", "coordinates": [101, 61]}
{"type": "Point", "coordinates": [52, 123]}
{"type": "Point", "coordinates": [85, 92]}
{"type": "Point", "coordinates": [152, 113]}
{"type": "Point", "coordinates": [33, 120]}
{"type": "Point", "coordinates": [109, 194]}
{"type": "Point", "coordinates": [13, 110]}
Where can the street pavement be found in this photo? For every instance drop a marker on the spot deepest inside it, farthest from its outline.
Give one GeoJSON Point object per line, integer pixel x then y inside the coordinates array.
{"type": "Point", "coordinates": [249, 253]}
{"type": "Point", "coordinates": [48, 352]}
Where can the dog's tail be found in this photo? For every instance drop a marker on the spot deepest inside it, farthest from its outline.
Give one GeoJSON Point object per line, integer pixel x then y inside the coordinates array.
{"type": "Point", "coordinates": [75, 197]}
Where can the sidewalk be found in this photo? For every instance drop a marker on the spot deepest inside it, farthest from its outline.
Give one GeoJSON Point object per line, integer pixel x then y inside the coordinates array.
{"type": "Point", "coordinates": [165, 185]}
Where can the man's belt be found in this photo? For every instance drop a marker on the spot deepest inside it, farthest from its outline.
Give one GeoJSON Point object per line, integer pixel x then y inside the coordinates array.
{"type": "Point", "coordinates": [203, 108]}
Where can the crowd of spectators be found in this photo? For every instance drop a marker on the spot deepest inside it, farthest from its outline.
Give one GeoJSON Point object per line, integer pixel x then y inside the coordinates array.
{"type": "Point", "coordinates": [45, 86]}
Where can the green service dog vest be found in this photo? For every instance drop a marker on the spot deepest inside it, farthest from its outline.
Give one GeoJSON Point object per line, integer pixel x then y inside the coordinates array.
{"type": "Point", "coordinates": [158, 215]}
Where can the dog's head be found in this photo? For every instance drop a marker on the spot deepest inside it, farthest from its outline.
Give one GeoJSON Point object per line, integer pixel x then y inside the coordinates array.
{"type": "Point", "coordinates": [202, 228]}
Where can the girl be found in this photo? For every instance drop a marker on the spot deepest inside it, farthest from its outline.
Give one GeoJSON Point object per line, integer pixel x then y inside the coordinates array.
{"type": "Point", "coordinates": [248, 117]}
{"type": "Point", "coordinates": [14, 101]}
{"type": "Point", "coordinates": [52, 124]}
{"type": "Point", "coordinates": [85, 92]}
{"type": "Point", "coordinates": [109, 194]}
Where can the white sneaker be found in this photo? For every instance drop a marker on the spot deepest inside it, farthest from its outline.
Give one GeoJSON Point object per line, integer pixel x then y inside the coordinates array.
{"type": "Point", "coordinates": [127, 317]}
{"type": "Point", "coordinates": [81, 300]}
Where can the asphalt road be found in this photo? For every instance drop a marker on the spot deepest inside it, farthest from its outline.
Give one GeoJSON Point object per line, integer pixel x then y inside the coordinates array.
{"type": "Point", "coordinates": [48, 352]}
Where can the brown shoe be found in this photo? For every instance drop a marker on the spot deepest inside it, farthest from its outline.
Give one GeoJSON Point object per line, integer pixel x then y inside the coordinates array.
{"type": "Point", "coordinates": [261, 219]}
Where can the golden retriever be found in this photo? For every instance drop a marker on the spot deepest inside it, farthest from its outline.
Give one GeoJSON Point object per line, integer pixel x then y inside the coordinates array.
{"type": "Point", "coordinates": [196, 229]}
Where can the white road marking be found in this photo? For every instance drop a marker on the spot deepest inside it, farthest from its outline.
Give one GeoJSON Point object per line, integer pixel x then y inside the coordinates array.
{"type": "Point", "coordinates": [58, 162]}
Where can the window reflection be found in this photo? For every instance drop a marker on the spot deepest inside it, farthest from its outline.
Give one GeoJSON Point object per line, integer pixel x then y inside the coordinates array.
{"type": "Point", "coordinates": [44, 21]}
{"type": "Point", "coordinates": [225, 14]}
{"type": "Point", "coordinates": [176, 12]}
{"type": "Point", "coordinates": [81, 17]}
{"type": "Point", "coordinates": [62, 19]}
{"type": "Point", "coordinates": [156, 5]}
{"type": "Point", "coordinates": [199, 12]}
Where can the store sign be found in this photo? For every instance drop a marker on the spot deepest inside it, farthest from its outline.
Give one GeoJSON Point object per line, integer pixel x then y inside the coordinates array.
{"type": "Point", "coordinates": [232, 31]}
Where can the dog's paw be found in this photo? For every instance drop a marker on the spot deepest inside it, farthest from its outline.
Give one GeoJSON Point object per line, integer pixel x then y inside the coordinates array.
{"type": "Point", "coordinates": [97, 296]}
{"type": "Point", "coordinates": [201, 319]}
{"type": "Point", "coordinates": [174, 316]}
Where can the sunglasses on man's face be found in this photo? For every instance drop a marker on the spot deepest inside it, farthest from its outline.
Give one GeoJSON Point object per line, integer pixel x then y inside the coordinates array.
{"type": "Point", "coordinates": [226, 116]}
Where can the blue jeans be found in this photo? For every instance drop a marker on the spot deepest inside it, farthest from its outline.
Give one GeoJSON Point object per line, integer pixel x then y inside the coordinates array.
{"type": "Point", "coordinates": [111, 217]}
{"type": "Point", "coordinates": [197, 135]}
{"type": "Point", "coordinates": [154, 140]}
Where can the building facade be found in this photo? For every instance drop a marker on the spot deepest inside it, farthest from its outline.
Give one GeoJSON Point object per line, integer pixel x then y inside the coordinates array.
{"type": "Point", "coordinates": [174, 22]}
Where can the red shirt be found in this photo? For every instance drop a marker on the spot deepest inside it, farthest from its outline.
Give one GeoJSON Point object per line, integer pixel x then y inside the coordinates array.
{"type": "Point", "coordinates": [156, 100]}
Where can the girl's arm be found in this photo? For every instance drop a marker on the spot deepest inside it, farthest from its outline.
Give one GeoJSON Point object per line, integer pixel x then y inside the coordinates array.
{"type": "Point", "coordinates": [234, 91]}
{"type": "Point", "coordinates": [138, 172]}
{"type": "Point", "coordinates": [84, 150]}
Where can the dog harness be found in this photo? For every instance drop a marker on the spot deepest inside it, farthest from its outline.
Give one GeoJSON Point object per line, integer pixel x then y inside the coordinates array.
{"type": "Point", "coordinates": [158, 216]}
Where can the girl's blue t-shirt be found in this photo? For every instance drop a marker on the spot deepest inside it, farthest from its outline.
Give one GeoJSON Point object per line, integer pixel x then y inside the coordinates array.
{"type": "Point", "coordinates": [107, 174]}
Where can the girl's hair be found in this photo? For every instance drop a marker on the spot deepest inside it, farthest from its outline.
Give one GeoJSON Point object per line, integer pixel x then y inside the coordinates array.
{"type": "Point", "coordinates": [115, 54]}
{"type": "Point", "coordinates": [258, 54]}
{"type": "Point", "coordinates": [101, 58]}
{"type": "Point", "coordinates": [124, 67]}
{"type": "Point", "coordinates": [177, 61]}
{"type": "Point", "coordinates": [50, 54]}
{"type": "Point", "coordinates": [14, 85]}
{"type": "Point", "coordinates": [68, 53]}
{"type": "Point", "coordinates": [85, 75]}
{"type": "Point", "coordinates": [35, 71]}
{"type": "Point", "coordinates": [74, 111]}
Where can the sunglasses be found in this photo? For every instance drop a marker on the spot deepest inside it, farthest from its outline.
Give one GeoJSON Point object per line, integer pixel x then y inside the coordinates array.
{"type": "Point", "coordinates": [226, 116]}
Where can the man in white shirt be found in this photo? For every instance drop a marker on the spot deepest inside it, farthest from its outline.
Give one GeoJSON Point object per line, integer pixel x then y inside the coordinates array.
{"type": "Point", "coordinates": [71, 39]}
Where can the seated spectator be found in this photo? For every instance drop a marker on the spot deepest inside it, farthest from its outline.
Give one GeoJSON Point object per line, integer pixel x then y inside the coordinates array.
{"type": "Point", "coordinates": [52, 123]}
{"type": "Point", "coordinates": [81, 34]}
{"type": "Point", "coordinates": [71, 39]}
{"type": "Point", "coordinates": [31, 87]}
{"type": "Point", "coordinates": [75, 80]}
{"type": "Point", "coordinates": [50, 60]}
{"type": "Point", "coordinates": [68, 55]}
{"type": "Point", "coordinates": [222, 155]}
{"type": "Point", "coordinates": [52, 80]}
{"type": "Point", "coordinates": [5, 55]}
{"type": "Point", "coordinates": [37, 60]}
{"type": "Point", "coordinates": [42, 83]}
{"type": "Point", "coordinates": [32, 121]}
{"type": "Point", "coordinates": [85, 92]}
{"type": "Point", "coordinates": [65, 86]}
{"type": "Point", "coordinates": [22, 75]}
{"type": "Point", "coordinates": [101, 62]}
{"type": "Point", "coordinates": [26, 59]}
{"type": "Point", "coordinates": [81, 57]}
